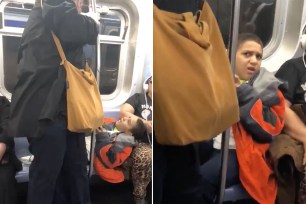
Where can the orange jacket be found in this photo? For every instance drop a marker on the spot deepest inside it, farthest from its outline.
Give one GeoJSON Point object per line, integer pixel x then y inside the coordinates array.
{"type": "Point", "coordinates": [111, 150]}
{"type": "Point", "coordinates": [262, 113]}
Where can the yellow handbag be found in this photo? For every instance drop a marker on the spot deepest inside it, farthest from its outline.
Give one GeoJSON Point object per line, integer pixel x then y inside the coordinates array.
{"type": "Point", "coordinates": [84, 106]}
{"type": "Point", "coordinates": [194, 94]}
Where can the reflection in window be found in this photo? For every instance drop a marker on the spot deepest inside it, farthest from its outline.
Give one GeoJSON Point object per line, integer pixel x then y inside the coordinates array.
{"type": "Point", "coordinates": [256, 16]}
{"type": "Point", "coordinates": [10, 50]}
{"type": "Point", "coordinates": [110, 25]}
{"type": "Point", "coordinates": [109, 60]}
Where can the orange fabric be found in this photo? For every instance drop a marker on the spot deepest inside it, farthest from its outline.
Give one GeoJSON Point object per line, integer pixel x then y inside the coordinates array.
{"type": "Point", "coordinates": [109, 173]}
{"type": "Point", "coordinates": [255, 174]}
{"type": "Point", "coordinates": [256, 114]}
{"type": "Point", "coordinates": [109, 120]}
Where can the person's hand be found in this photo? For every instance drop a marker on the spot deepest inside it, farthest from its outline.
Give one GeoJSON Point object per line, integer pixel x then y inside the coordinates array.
{"type": "Point", "coordinates": [2, 149]}
{"type": "Point", "coordinates": [148, 126]}
{"type": "Point", "coordinates": [94, 16]}
{"type": "Point", "coordinates": [237, 80]}
{"type": "Point", "coordinates": [99, 129]}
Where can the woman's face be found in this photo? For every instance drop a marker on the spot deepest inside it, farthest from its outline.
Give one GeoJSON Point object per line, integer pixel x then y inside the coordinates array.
{"type": "Point", "coordinates": [248, 59]}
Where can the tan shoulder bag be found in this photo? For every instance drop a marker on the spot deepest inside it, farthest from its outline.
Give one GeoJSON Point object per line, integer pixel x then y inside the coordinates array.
{"type": "Point", "coordinates": [84, 106]}
{"type": "Point", "coordinates": [194, 92]}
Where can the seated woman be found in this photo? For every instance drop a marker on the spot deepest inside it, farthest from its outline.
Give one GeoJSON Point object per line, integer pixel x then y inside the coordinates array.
{"type": "Point", "coordinates": [140, 105]}
{"type": "Point", "coordinates": [116, 146]}
{"type": "Point", "coordinates": [262, 111]}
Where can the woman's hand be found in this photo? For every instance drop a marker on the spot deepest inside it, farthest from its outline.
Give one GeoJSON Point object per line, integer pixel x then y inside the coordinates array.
{"type": "Point", "coordinates": [237, 80]}
{"type": "Point", "coordinates": [100, 129]}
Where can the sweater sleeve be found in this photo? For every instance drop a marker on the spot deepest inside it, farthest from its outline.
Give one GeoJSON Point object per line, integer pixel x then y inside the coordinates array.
{"type": "Point", "coordinates": [260, 120]}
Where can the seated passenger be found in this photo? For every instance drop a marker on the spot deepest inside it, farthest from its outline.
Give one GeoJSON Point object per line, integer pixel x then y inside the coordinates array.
{"type": "Point", "coordinates": [113, 149]}
{"type": "Point", "coordinates": [140, 105]}
{"type": "Point", "coordinates": [293, 72]}
{"type": "Point", "coordinates": [9, 164]}
{"type": "Point", "coordinates": [262, 111]}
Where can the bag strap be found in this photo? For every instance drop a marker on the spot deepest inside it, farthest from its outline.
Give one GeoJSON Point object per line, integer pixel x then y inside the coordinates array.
{"type": "Point", "coordinates": [59, 47]}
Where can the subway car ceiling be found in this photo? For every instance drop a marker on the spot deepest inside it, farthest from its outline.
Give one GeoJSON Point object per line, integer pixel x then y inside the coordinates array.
{"type": "Point", "coordinates": [119, 60]}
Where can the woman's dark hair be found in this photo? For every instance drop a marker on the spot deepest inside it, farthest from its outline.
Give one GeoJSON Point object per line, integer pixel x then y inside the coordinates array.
{"type": "Point", "coordinates": [243, 37]}
{"type": "Point", "coordinates": [139, 130]}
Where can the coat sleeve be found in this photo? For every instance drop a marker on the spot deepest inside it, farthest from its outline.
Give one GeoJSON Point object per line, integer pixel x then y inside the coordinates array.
{"type": "Point", "coordinates": [70, 26]}
{"type": "Point", "coordinates": [260, 120]}
{"type": "Point", "coordinates": [4, 116]}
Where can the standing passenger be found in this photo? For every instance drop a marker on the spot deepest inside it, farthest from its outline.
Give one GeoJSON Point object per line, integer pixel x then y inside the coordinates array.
{"type": "Point", "coordinates": [262, 111]}
{"type": "Point", "coordinates": [58, 173]}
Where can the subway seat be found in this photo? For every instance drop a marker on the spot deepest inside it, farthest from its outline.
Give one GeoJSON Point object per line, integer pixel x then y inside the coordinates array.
{"type": "Point", "coordinates": [235, 193]}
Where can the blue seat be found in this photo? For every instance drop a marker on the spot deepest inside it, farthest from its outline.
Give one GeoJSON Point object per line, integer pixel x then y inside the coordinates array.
{"type": "Point", "coordinates": [235, 193]}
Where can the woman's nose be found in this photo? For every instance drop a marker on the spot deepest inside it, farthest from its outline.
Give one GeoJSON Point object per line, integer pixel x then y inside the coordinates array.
{"type": "Point", "coordinates": [254, 59]}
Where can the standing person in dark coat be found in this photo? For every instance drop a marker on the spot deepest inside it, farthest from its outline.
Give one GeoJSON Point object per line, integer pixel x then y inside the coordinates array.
{"type": "Point", "coordinates": [9, 164]}
{"type": "Point", "coordinates": [58, 173]}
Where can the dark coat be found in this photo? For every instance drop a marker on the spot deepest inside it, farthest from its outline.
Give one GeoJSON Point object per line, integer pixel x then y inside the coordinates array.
{"type": "Point", "coordinates": [9, 156]}
{"type": "Point", "coordinates": [39, 96]}
{"type": "Point", "coordinates": [287, 161]}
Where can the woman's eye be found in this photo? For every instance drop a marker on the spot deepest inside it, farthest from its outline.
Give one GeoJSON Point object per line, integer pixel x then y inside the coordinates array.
{"type": "Point", "coordinates": [259, 57]}
{"type": "Point", "coordinates": [247, 54]}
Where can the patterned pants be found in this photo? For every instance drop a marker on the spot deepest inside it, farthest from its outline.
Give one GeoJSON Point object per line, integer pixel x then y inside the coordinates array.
{"type": "Point", "coordinates": [140, 164]}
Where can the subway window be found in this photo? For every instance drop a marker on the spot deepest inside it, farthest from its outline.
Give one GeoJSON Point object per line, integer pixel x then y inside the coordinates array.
{"type": "Point", "coordinates": [112, 34]}
{"type": "Point", "coordinates": [109, 61]}
{"type": "Point", "coordinates": [15, 15]}
{"type": "Point", "coordinates": [256, 16]}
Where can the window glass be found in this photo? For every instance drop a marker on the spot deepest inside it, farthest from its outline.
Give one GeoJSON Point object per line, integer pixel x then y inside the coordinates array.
{"type": "Point", "coordinates": [256, 16]}
{"type": "Point", "coordinates": [111, 52]}
{"type": "Point", "coordinates": [110, 25]}
{"type": "Point", "coordinates": [16, 14]}
{"type": "Point", "coordinates": [109, 61]}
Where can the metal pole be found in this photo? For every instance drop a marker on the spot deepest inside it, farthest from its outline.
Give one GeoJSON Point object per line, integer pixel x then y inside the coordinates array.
{"type": "Point", "coordinates": [225, 135]}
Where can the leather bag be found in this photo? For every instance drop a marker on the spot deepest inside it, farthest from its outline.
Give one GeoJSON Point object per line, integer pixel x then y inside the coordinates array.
{"type": "Point", "coordinates": [194, 94]}
{"type": "Point", "coordinates": [84, 106]}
